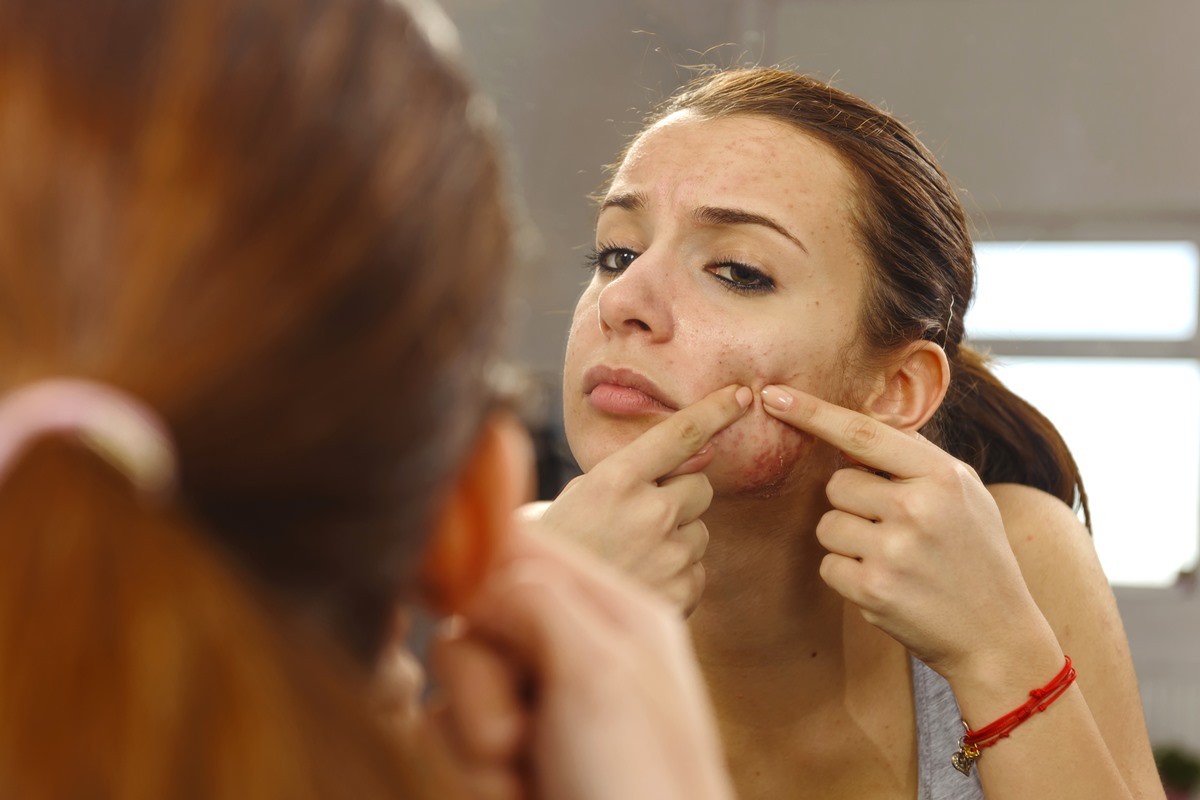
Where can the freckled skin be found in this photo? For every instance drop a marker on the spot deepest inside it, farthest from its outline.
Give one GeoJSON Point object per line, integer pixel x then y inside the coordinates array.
{"type": "Point", "coordinates": [666, 314]}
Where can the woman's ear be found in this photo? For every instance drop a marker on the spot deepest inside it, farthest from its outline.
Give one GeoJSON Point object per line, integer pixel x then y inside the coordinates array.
{"type": "Point", "coordinates": [476, 514]}
{"type": "Point", "coordinates": [914, 390]}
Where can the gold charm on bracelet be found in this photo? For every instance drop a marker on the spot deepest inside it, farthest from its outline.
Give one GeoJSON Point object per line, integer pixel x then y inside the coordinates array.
{"type": "Point", "coordinates": [965, 757]}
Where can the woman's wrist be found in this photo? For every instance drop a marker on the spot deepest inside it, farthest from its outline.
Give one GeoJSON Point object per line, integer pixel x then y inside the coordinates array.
{"type": "Point", "coordinates": [990, 681]}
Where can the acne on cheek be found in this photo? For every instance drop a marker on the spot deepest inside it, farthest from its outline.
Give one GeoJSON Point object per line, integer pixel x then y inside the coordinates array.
{"type": "Point", "coordinates": [758, 456]}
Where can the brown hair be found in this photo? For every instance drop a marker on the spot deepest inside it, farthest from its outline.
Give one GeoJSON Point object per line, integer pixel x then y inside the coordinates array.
{"type": "Point", "coordinates": [914, 232]}
{"type": "Point", "coordinates": [279, 224]}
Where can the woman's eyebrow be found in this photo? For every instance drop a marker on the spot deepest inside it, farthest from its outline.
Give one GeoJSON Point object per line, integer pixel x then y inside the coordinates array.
{"type": "Point", "coordinates": [711, 215]}
{"type": "Point", "coordinates": [630, 201]}
{"type": "Point", "coordinates": [705, 215]}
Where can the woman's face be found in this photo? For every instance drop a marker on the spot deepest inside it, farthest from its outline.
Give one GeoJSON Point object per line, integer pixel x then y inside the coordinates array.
{"type": "Point", "coordinates": [724, 254]}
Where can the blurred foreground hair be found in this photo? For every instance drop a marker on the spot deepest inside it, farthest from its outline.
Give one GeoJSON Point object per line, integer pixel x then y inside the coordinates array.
{"type": "Point", "coordinates": [279, 223]}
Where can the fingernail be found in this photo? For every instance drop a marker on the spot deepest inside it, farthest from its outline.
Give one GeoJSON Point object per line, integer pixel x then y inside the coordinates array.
{"type": "Point", "coordinates": [777, 398]}
{"type": "Point", "coordinates": [744, 396]}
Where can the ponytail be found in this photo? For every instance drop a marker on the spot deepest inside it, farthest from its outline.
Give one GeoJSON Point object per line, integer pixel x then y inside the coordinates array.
{"type": "Point", "coordinates": [1004, 438]}
{"type": "Point", "coordinates": [137, 662]}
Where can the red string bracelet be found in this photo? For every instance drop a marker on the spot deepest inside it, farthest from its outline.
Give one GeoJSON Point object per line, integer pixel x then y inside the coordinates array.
{"type": "Point", "coordinates": [973, 742]}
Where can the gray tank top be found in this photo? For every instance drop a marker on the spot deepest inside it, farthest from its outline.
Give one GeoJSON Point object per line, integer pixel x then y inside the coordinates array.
{"type": "Point", "coordinates": [939, 727]}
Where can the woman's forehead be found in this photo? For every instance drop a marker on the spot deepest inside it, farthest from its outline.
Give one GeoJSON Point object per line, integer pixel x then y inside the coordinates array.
{"type": "Point", "coordinates": [688, 142]}
{"type": "Point", "coordinates": [748, 162]}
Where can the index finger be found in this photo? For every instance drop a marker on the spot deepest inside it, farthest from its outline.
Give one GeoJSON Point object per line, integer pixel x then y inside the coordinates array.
{"type": "Point", "coordinates": [663, 448]}
{"type": "Point", "coordinates": [868, 441]}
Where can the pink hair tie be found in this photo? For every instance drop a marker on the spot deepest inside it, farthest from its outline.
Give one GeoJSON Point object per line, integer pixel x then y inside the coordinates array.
{"type": "Point", "coordinates": [114, 425]}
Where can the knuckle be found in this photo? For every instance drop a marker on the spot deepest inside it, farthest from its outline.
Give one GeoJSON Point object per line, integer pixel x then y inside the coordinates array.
{"type": "Point", "coordinates": [963, 473]}
{"type": "Point", "coordinates": [948, 471]}
{"type": "Point", "coordinates": [907, 504]}
{"type": "Point", "coordinates": [694, 537]}
{"type": "Point", "coordinates": [689, 432]}
{"type": "Point", "coordinates": [896, 549]}
{"type": "Point", "coordinates": [862, 433]}
{"type": "Point", "coordinates": [955, 474]}
{"type": "Point", "coordinates": [915, 507]}
{"type": "Point", "coordinates": [662, 516]}
{"type": "Point", "coordinates": [677, 557]}
{"type": "Point", "coordinates": [700, 538]}
{"type": "Point", "coordinates": [684, 590]}
{"type": "Point", "coordinates": [679, 594]}
{"type": "Point", "coordinates": [827, 527]}
{"type": "Point", "coordinates": [828, 569]}
{"type": "Point", "coordinates": [837, 482]}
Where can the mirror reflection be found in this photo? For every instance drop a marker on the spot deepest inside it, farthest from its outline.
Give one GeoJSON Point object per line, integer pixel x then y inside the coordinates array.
{"type": "Point", "coordinates": [1064, 135]}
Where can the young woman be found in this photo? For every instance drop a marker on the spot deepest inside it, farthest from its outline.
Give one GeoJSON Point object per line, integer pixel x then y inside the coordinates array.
{"type": "Point", "coordinates": [250, 259]}
{"type": "Point", "coordinates": [889, 553]}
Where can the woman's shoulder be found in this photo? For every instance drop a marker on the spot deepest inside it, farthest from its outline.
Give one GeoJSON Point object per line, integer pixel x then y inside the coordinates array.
{"type": "Point", "coordinates": [1018, 495]}
{"type": "Point", "coordinates": [1031, 515]}
{"type": "Point", "coordinates": [1061, 569]}
{"type": "Point", "coordinates": [1055, 553]}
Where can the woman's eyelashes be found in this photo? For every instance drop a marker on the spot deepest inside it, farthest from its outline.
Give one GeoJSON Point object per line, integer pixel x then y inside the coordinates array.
{"type": "Point", "coordinates": [742, 278]}
{"type": "Point", "coordinates": [611, 261]}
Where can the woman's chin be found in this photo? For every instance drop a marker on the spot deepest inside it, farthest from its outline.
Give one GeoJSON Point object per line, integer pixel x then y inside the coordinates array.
{"type": "Point", "coordinates": [589, 450]}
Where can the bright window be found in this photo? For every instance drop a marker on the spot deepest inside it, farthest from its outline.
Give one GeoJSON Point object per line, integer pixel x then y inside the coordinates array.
{"type": "Point", "coordinates": [1101, 337]}
{"type": "Point", "coordinates": [1086, 290]}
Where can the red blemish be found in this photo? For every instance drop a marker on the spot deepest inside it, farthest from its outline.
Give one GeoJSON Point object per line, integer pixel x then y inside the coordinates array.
{"type": "Point", "coordinates": [758, 455]}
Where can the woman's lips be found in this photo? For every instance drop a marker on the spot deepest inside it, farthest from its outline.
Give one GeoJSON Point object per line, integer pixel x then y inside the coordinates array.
{"type": "Point", "coordinates": [624, 392]}
{"type": "Point", "coordinates": [612, 398]}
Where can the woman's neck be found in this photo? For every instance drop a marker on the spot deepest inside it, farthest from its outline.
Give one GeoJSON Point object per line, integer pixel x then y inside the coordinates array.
{"type": "Point", "coordinates": [802, 685]}
{"type": "Point", "coordinates": [766, 619]}
{"type": "Point", "coordinates": [767, 628]}
{"type": "Point", "coordinates": [762, 573]}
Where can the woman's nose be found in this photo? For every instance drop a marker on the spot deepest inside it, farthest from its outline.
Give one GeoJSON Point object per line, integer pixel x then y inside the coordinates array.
{"type": "Point", "coordinates": [637, 303]}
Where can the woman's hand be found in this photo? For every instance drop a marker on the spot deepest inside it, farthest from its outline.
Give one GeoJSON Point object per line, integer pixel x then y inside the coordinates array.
{"type": "Point", "coordinates": [639, 509]}
{"type": "Point", "coordinates": [917, 542]}
{"type": "Point", "coordinates": [924, 551]}
{"type": "Point", "coordinates": [567, 680]}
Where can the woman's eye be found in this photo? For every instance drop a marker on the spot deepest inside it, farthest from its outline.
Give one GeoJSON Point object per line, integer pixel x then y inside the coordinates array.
{"type": "Point", "coordinates": [612, 259]}
{"type": "Point", "coordinates": [742, 277]}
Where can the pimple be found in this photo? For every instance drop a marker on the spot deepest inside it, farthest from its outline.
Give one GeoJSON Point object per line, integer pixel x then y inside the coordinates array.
{"type": "Point", "coordinates": [768, 456]}
{"type": "Point", "coordinates": [770, 466]}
